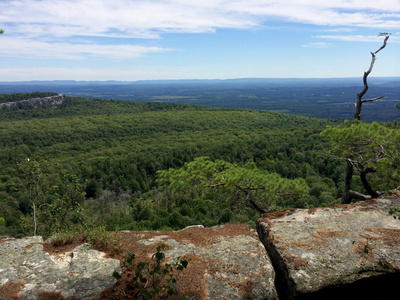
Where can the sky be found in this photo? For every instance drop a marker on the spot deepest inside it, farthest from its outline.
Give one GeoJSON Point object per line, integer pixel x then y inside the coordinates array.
{"type": "Point", "coordinates": [130, 40]}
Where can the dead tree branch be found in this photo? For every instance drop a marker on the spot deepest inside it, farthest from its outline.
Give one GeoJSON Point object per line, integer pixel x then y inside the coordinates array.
{"type": "Point", "coordinates": [371, 100]}
{"type": "Point", "coordinates": [349, 194]}
{"type": "Point", "coordinates": [357, 111]}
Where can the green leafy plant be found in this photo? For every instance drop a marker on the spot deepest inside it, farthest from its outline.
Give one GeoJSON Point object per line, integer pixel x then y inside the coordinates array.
{"type": "Point", "coordinates": [156, 278]}
{"type": "Point", "coordinates": [395, 212]}
{"type": "Point", "coordinates": [366, 248]}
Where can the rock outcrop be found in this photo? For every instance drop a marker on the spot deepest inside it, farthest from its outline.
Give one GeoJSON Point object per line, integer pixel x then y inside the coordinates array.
{"type": "Point", "coordinates": [227, 262]}
{"type": "Point", "coordinates": [342, 252]}
{"type": "Point", "coordinates": [52, 101]}
{"type": "Point", "coordinates": [29, 272]}
{"type": "Point", "coordinates": [326, 252]}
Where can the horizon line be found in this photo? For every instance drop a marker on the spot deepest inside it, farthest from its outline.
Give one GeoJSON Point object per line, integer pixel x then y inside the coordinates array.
{"type": "Point", "coordinates": [194, 79]}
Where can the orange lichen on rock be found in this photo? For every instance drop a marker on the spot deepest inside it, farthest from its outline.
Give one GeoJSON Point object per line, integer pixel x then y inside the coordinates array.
{"type": "Point", "coordinates": [366, 252]}
{"type": "Point", "coordinates": [245, 286]}
{"type": "Point", "coordinates": [296, 262]}
{"type": "Point", "coordinates": [323, 233]}
{"type": "Point", "coordinates": [52, 296]}
{"type": "Point", "coordinates": [11, 290]}
{"type": "Point", "coordinates": [204, 266]}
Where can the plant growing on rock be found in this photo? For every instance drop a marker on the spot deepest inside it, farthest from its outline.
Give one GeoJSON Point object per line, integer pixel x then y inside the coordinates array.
{"type": "Point", "coordinates": [395, 212]}
{"type": "Point", "coordinates": [154, 279]}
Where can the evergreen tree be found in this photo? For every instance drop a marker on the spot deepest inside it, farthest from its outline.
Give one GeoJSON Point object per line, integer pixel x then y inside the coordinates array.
{"type": "Point", "coordinates": [244, 185]}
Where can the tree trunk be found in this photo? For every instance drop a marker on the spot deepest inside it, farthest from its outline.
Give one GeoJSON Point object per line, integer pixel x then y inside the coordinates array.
{"type": "Point", "coordinates": [366, 184]}
{"type": "Point", "coordinates": [348, 193]}
{"type": "Point", "coordinates": [257, 207]}
{"type": "Point", "coordinates": [34, 219]}
{"type": "Point", "coordinates": [347, 183]}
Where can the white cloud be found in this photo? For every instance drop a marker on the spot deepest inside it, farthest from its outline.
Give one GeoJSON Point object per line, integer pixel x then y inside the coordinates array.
{"type": "Point", "coordinates": [150, 18]}
{"type": "Point", "coordinates": [358, 38]}
{"type": "Point", "coordinates": [56, 28]}
{"type": "Point", "coordinates": [39, 49]}
{"type": "Point", "coordinates": [316, 45]}
{"type": "Point", "coordinates": [27, 74]}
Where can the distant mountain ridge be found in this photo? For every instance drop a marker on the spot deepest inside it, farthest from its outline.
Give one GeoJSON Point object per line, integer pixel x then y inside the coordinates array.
{"type": "Point", "coordinates": [319, 97]}
{"type": "Point", "coordinates": [349, 80]}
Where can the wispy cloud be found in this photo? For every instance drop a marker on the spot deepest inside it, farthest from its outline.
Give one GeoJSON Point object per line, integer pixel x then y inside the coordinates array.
{"type": "Point", "coordinates": [43, 49]}
{"type": "Point", "coordinates": [58, 25]}
{"type": "Point", "coordinates": [150, 18]}
{"type": "Point", "coordinates": [26, 74]}
{"type": "Point", "coordinates": [316, 45]}
{"type": "Point", "coordinates": [358, 38]}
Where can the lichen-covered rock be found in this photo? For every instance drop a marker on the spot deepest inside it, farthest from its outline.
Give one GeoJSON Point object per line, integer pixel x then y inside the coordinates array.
{"type": "Point", "coordinates": [329, 247]}
{"type": "Point", "coordinates": [82, 273]}
{"type": "Point", "coordinates": [227, 262]}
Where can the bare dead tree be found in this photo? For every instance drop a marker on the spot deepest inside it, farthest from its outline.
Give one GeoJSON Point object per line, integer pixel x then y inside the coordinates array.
{"type": "Point", "coordinates": [349, 194]}
{"type": "Point", "coordinates": [360, 101]}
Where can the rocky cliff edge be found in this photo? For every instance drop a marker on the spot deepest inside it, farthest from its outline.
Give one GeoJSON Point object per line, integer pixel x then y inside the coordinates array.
{"type": "Point", "coordinates": [323, 253]}
{"type": "Point", "coordinates": [52, 101]}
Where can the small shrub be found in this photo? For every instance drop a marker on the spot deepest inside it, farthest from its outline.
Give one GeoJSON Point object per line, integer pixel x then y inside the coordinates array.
{"type": "Point", "coordinates": [104, 240]}
{"type": "Point", "coordinates": [63, 238]}
{"type": "Point", "coordinates": [154, 279]}
{"type": "Point", "coordinates": [98, 237]}
{"type": "Point", "coordinates": [166, 228]}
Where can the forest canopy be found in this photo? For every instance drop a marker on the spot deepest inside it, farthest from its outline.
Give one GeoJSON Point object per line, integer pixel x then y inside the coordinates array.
{"type": "Point", "coordinates": [117, 154]}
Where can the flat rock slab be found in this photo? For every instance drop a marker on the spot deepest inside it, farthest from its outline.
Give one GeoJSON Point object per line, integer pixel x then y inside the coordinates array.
{"type": "Point", "coordinates": [27, 272]}
{"type": "Point", "coordinates": [226, 262]}
{"type": "Point", "coordinates": [327, 247]}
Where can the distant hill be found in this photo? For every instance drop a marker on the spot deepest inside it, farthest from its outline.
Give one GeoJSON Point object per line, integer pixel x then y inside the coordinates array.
{"type": "Point", "coordinates": [327, 98]}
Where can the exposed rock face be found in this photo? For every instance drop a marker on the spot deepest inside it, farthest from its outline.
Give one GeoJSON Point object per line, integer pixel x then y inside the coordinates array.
{"type": "Point", "coordinates": [51, 101]}
{"type": "Point", "coordinates": [342, 252]}
{"type": "Point", "coordinates": [82, 273]}
{"type": "Point", "coordinates": [320, 249]}
{"type": "Point", "coordinates": [227, 262]}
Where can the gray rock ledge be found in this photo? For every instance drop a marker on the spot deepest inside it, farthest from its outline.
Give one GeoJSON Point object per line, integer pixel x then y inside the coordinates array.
{"type": "Point", "coordinates": [82, 273]}
{"type": "Point", "coordinates": [325, 250]}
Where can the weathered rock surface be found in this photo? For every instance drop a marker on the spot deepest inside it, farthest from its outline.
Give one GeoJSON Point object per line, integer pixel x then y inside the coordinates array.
{"type": "Point", "coordinates": [51, 101]}
{"type": "Point", "coordinates": [227, 262]}
{"type": "Point", "coordinates": [326, 248]}
{"type": "Point", "coordinates": [82, 273]}
{"type": "Point", "coordinates": [342, 252]}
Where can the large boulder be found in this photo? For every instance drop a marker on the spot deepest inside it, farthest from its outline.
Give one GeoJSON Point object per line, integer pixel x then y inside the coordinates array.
{"type": "Point", "coordinates": [226, 262]}
{"type": "Point", "coordinates": [341, 252]}
{"type": "Point", "coordinates": [27, 272]}
{"type": "Point", "coordinates": [332, 253]}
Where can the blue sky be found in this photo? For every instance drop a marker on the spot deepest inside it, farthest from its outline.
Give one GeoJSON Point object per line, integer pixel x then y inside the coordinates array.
{"type": "Point", "coordinates": [207, 39]}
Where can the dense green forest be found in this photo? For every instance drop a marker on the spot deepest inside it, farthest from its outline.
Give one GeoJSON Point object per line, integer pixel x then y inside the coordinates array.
{"type": "Point", "coordinates": [110, 163]}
